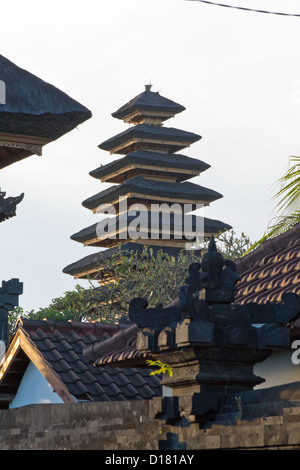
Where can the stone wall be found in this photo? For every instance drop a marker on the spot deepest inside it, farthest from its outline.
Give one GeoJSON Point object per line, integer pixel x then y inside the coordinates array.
{"type": "Point", "coordinates": [132, 426]}
{"type": "Point", "coordinates": [79, 426]}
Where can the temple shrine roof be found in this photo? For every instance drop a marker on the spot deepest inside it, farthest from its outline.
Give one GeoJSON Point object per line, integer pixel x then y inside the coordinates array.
{"type": "Point", "coordinates": [152, 191]}
{"type": "Point", "coordinates": [148, 103]}
{"type": "Point", "coordinates": [169, 139]}
{"type": "Point", "coordinates": [156, 164]}
{"type": "Point", "coordinates": [91, 235]}
{"type": "Point", "coordinates": [33, 113]}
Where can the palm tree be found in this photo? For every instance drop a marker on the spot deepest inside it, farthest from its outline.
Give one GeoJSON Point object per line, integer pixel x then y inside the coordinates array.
{"type": "Point", "coordinates": [288, 205]}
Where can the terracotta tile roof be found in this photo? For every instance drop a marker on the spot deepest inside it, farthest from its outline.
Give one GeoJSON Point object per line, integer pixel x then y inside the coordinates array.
{"type": "Point", "coordinates": [271, 270]}
{"type": "Point", "coordinates": [61, 344]}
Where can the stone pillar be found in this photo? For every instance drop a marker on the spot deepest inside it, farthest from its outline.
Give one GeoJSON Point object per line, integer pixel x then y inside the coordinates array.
{"type": "Point", "coordinates": [9, 298]}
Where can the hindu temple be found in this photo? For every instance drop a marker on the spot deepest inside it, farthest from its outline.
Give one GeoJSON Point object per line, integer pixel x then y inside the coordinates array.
{"type": "Point", "coordinates": [149, 179]}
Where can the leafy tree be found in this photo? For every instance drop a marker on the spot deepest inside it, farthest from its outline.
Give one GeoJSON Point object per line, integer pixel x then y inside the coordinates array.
{"type": "Point", "coordinates": [231, 246]}
{"type": "Point", "coordinates": [155, 278]}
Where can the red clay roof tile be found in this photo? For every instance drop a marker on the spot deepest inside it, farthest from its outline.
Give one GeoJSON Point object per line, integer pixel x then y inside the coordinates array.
{"type": "Point", "coordinates": [271, 270]}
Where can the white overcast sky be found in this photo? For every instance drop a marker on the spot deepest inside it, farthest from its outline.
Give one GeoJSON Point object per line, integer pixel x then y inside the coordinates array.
{"type": "Point", "coordinates": [236, 72]}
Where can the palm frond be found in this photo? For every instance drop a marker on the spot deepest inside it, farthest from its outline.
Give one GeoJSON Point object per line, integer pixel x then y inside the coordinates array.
{"type": "Point", "coordinates": [289, 204]}
{"type": "Point", "coordinates": [289, 191]}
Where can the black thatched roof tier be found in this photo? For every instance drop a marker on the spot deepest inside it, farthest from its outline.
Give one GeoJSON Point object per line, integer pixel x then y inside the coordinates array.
{"type": "Point", "coordinates": [148, 103]}
{"type": "Point", "coordinates": [36, 108]}
{"type": "Point", "coordinates": [108, 230]}
{"type": "Point", "coordinates": [148, 192]}
{"type": "Point", "coordinates": [158, 164]}
{"type": "Point", "coordinates": [149, 136]}
{"type": "Point", "coordinates": [92, 264]}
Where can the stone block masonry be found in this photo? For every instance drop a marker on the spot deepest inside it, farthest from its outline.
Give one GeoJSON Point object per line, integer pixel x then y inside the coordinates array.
{"type": "Point", "coordinates": [79, 426]}
{"type": "Point", "coordinates": [133, 426]}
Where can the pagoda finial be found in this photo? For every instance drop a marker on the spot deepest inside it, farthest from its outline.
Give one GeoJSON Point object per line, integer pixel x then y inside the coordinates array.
{"type": "Point", "coordinates": [212, 244]}
{"type": "Point", "coordinates": [148, 87]}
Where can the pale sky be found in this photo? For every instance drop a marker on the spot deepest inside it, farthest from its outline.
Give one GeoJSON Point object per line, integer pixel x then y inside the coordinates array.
{"type": "Point", "coordinates": [236, 72]}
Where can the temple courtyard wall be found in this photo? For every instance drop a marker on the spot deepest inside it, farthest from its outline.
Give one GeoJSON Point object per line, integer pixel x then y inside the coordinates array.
{"type": "Point", "coordinates": [131, 425]}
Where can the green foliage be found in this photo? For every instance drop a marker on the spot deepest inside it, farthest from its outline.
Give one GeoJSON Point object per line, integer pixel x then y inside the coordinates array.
{"type": "Point", "coordinates": [162, 368]}
{"type": "Point", "coordinates": [231, 246]}
{"type": "Point", "coordinates": [238, 400]}
{"type": "Point", "coordinates": [289, 192]}
{"type": "Point", "coordinates": [288, 205]}
{"type": "Point", "coordinates": [155, 278]}
{"type": "Point", "coordinates": [13, 317]}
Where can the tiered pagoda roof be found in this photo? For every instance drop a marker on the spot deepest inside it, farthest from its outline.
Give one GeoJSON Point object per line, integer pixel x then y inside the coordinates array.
{"type": "Point", "coordinates": [173, 167]}
{"type": "Point", "coordinates": [149, 173]}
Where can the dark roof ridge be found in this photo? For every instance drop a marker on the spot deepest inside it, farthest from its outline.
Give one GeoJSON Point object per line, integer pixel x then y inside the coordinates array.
{"type": "Point", "coordinates": [120, 341]}
{"type": "Point", "coordinates": [268, 247]}
{"type": "Point", "coordinates": [26, 322]}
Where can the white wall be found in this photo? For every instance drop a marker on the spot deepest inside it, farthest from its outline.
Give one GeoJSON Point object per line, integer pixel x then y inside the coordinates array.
{"type": "Point", "coordinates": [278, 369]}
{"type": "Point", "coordinates": [33, 389]}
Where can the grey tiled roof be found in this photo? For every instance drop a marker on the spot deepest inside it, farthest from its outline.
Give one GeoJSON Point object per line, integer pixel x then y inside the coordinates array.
{"type": "Point", "coordinates": [62, 343]}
